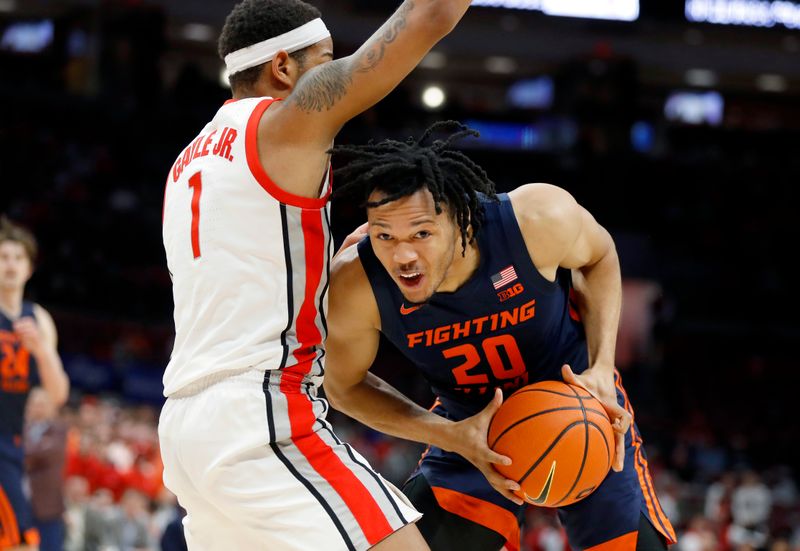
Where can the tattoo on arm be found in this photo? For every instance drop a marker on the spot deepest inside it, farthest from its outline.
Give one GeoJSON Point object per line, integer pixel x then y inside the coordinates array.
{"type": "Point", "coordinates": [320, 89]}
{"type": "Point", "coordinates": [323, 87]}
{"type": "Point", "coordinates": [397, 23]}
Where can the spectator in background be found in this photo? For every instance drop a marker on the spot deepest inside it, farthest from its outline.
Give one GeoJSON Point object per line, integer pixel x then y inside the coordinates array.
{"type": "Point", "coordinates": [699, 536]}
{"type": "Point", "coordinates": [129, 528]}
{"type": "Point", "coordinates": [100, 521]}
{"type": "Point", "coordinates": [751, 502]}
{"type": "Point", "coordinates": [45, 445]}
{"type": "Point", "coordinates": [718, 498]}
{"type": "Point", "coordinates": [76, 494]}
{"type": "Point", "coordinates": [543, 532]}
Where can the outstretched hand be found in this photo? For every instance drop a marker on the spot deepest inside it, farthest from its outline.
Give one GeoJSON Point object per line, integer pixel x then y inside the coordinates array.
{"type": "Point", "coordinates": [602, 387]}
{"type": "Point", "coordinates": [357, 235]}
{"type": "Point", "coordinates": [470, 436]}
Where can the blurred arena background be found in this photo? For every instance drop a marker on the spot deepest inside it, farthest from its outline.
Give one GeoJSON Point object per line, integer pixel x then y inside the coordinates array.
{"type": "Point", "coordinates": [677, 123]}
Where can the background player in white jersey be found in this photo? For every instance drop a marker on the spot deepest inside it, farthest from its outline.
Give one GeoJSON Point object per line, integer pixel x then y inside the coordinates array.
{"type": "Point", "coordinates": [246, 231]}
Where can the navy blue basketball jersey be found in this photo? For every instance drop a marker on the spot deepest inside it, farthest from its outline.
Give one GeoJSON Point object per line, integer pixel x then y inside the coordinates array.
{"type": "Point", "coordinates": [507, 326]}
{"type": "Point", "coordinates": [18, 374]}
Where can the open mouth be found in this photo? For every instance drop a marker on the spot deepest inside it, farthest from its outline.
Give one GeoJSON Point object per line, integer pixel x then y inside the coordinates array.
{"type": "Point", "coordinates": [411, 280]}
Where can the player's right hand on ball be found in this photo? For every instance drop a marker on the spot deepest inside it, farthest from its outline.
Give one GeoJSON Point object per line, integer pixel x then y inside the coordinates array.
{"type": "Point", "coordinates": [471, 444]}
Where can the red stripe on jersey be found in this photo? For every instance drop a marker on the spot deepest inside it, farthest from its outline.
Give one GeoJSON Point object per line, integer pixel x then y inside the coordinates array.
{"type": "Point", "coordinates": [257, 169]}
{"type": "Point", "coordinates": [319, 454]}
{"type": "Point", "coordinates": [321, 457]}
{"type": "Point", "coordinates": [308, 335]}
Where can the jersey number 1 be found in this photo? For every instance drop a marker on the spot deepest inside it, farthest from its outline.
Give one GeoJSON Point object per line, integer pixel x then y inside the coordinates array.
{"type": "Point", "coordinates": [196, 183]}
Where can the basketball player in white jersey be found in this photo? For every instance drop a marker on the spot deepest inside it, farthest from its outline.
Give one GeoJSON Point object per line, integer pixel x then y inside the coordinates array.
{"type": "Point", "coordinates": [245, 443]}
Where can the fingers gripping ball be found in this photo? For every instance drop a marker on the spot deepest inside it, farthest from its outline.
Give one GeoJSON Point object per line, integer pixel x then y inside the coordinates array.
{"type": "Point", "coordinates": [559, 439]}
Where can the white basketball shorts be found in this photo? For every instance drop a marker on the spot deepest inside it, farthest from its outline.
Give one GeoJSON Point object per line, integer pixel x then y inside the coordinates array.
{"type": "Point", "coordinates": [257, 467]}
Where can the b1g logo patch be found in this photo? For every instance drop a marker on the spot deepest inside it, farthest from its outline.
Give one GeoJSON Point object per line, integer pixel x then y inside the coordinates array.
{"type": "Point", "coordinates": [506, 294]}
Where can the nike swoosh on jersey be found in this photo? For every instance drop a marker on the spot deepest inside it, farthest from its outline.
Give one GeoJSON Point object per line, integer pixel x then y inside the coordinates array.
{"type": "Point", "coordinates": [545, 493]}
{"type": "Point", "coordinates": [406, 311]}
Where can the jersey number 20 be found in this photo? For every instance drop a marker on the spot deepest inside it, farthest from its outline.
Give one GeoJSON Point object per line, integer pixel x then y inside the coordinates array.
{"type": "Point", "coordinates": [491, 351]}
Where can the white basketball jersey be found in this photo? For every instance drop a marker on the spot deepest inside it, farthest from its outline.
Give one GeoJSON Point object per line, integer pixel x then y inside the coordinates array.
{"type": "Point", "coordinates": [249, 261]}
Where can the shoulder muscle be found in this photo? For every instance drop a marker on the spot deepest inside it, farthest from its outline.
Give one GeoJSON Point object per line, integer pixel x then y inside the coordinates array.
{"type": "Point", "coordinates": [550, 220]}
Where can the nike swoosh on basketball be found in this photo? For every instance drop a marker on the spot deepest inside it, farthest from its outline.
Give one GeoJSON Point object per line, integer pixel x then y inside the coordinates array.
{"type": "Point", "coordinates": [545, 493]}
{"type": "Point", "coordinates": [406, 311]}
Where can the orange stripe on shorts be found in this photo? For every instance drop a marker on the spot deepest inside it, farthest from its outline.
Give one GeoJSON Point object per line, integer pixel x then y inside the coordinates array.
{"type": "Point", "coordinates": [9, 536]}
{"type": "Point", "coordinates": [626, 542]}
{"type": "Point", "coordinates": [663, 524]}
{"type": "Point", "coordinates": [480, 512]}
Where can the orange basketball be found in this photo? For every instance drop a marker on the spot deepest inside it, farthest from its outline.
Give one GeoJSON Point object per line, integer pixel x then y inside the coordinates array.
{"type": "Point", "coordinates": [559, 439]}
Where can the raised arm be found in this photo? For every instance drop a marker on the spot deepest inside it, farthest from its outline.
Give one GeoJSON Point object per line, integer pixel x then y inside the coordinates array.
{"type": "Point", "coordinates": [333, 93]}
{"type": "Point", "coordinates": [294, 135]}
{"type": "Point", "coordinates": [351, 347]}
{"type": "Point", "coordinates": [564, 234]}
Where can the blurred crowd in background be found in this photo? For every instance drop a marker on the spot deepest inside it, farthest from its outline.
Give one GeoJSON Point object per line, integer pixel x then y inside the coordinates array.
{"type": "Point", "coordinates": [112, 498]}
{"type": "Point", "coordinates": [703, 211]}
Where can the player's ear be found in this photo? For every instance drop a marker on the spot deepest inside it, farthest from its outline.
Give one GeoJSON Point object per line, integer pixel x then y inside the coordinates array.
{"type": "Point", "coordinates": [284, 70]}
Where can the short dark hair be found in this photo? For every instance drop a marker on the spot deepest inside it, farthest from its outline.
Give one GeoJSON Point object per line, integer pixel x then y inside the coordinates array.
{"type": "Point", "coordinates": [252, 21]}
{"type": "Point", "coordinates": [13, 232]}
{"type": "Point", "coordinates": [400, 169]}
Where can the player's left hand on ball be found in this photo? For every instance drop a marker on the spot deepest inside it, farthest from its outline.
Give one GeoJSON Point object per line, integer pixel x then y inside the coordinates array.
{"type": "Point", "coordinates": [471, 444]}
{"type": "Point", "coordinates": [601, 386]}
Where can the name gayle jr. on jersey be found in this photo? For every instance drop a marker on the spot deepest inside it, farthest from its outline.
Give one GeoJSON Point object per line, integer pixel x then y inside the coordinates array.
{"type": "Point", "coordinates": [476, 326]}
{"type": "Point", "coordinates": [203, 145]}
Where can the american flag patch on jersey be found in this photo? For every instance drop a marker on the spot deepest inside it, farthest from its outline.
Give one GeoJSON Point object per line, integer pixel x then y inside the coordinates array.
{"type": "Point", "coordinates": [504, 277]}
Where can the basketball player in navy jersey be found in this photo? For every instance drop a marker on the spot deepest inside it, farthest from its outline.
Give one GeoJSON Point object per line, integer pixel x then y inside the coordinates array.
{"type": "Point", "coordinates": [246, 231]}
{"type": "Point", "coordinates": [28, 358]}
{"type": "Point", "coordinates": [477, 289]}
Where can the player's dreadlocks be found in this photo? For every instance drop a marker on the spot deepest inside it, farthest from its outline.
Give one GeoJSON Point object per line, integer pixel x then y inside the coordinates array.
{"type": "Point", "coordinates": [400, 169]}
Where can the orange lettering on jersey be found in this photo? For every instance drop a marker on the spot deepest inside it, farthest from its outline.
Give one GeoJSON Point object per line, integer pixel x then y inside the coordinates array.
{"type": "Point", "coordinates": [509, 318]}
{"type": "Point", "coordinates": [14, 364]}
{"type": "Point", "coordinates": [511, 292]}
{"type": "Point", "coordinates": [458, 332]}
{"type": "Point", "coordinates": [414, 339]}
{"type": "Point", "coordinates": [479, 324]}
{"type": "Point", "coordinates": [453, 332]}
{"type": "Point", "coordinates": [527, 311]}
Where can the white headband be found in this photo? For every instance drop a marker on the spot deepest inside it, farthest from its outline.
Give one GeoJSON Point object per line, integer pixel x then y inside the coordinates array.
{"type": "Point", "coordinates": [297, 39]}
